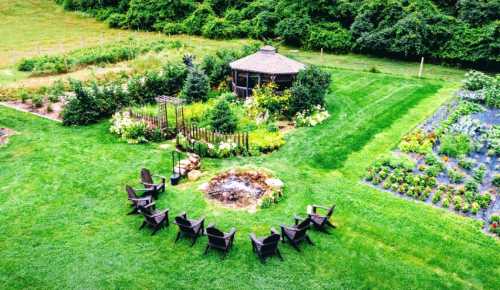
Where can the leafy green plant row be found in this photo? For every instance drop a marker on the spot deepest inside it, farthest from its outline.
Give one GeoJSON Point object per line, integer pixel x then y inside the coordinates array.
{"type": "Point", "coordinates": [109, 53]}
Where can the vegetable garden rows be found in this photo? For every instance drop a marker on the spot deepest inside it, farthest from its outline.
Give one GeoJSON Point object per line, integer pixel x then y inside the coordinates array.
{"type": "Point", "coordinates": [451, 160]}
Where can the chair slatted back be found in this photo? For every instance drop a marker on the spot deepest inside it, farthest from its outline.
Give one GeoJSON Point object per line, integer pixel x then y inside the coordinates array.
{"type": "Point", "coordinates": [270, 244]}
{"type": "Point", "coordinates": [146, 176]}
{"type": "Point", "coordinates": [184, 225]}
{"type": "Point", "coordinates": [302, 229]}
{"type": "Point", "coordinates": [130, 192]}
{"type": "Point", "coordinates": [216, 237]}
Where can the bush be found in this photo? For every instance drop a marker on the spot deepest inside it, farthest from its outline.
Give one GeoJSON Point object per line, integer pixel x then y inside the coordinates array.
{"type": "Point", "coordinates": [475, 80]}
{"type": "Point", "coordinates": [218, 28]}
{"type": "Point", "coordinates": [455, 145]}
{"type": "Point", "coordinates": [309, 90]}
{"type": "Point", "coordinates": [128, 129]}
{"type": "Point", "coordinates": [266, 99]}
{"type": "Point", "coordinates": [264, 141]}
{"type": "Point", "coordinates": [496, 180]}
{"type": "Point", "coordinates": [331, 36]}
{"type": "Point", "coordinates": [82, 109]}
{"type": "Point", "coordinates": [294, 30]}
{"type": "Point", "coordinates": [195, 22]}
{"type": "Point", "coordinates": [196, 86]}
{"type": "Point", "coordinates": [117, 20]}
{"type": "Point", "coordinates": [37, 101]}
{"type": "Point", "coordinates": [222, 118]}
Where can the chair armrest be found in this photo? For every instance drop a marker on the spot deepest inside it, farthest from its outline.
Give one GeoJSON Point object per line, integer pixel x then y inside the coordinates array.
{"type": "Point", "coordinates": [160, 176]}
{"type": "Point", "coordinates": [200, 221]}
{"type": "Point", "coordinates": [297, 219]}
{"type": "Point", "coordinates": [231, 233]}
{"type": "Point", "coordinates": [320, 206]}
{"type": "Point", "coordinates": [141, 198]}
{"type": "Point", "coordinates": [143, 190]}
{"type": "Point", "coordinates": [153, 204]}
{"type": "Point", "coordinates": [160, 213]}
{"type": "Point", "coordinates": [148, 184]}
{"type": "Point", "coordinates": [288, 228]}
{"type": "Point", "coordinates": [254, 239]}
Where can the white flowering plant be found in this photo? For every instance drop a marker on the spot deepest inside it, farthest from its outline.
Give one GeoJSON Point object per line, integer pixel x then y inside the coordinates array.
{"type": "Point", "coordinates": [207, 149]}
{"type": "Point", "coordinates": [311, 118]}
{"type": "Point", "coordinates": [128, 129]}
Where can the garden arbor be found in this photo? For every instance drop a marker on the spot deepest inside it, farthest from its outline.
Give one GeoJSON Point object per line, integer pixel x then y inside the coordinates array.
{"type": "Point", "coordinates": [263, 67]}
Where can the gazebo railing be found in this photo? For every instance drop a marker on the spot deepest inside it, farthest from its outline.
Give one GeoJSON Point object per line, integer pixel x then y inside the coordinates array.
{"type": "Point", "coordinates": [241, 91]}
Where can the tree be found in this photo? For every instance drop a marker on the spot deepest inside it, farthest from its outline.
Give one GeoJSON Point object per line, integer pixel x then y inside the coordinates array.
{"type": "Point", "coordinates": [222, 118]}
{"type": "Point", "coordinates": [309, 90]}
{"type": "Point", "coordinates": [196, 86]}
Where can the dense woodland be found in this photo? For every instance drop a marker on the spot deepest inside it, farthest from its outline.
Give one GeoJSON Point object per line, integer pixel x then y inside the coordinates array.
{"type": "Point", "coordinates": [465, 32]}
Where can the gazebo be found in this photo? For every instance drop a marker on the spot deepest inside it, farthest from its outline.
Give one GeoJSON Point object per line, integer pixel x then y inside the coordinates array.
{"type": "Point", "coordinates": [263, 67]}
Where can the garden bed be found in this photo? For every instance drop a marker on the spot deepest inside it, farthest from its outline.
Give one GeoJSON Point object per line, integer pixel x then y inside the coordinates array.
{"type": "Point", "coordinates": [46, 109]}
{"type": "Point", "coordinates": [450, 161]}
{"type": "Point", "coordinates": [243, 189]}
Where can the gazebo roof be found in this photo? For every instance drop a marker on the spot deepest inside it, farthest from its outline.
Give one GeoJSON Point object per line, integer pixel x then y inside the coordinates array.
{"type": "Point", "coordinates": [267, 61]}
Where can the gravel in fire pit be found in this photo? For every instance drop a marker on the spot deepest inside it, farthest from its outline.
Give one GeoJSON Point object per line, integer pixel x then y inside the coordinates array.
{"type": "Point", "coordinates": [240, 189]}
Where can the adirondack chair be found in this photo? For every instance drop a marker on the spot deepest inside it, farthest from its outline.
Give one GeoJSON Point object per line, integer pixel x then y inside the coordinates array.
{"type": "Point", "coordinates": [321, 222]}
{"type": "Point", "coordinates": [189, 227]}
{"type": "Point", "coordinates": [151, 187]}
{"type": "Point", "coordinates": [266, 246]}
{"type": "Point", "coordinates": [219, 240]}
{"type": "Point", "coordinates": [296, 233]}
{"type": "Point", "coordinates": [155, 220]}
{"type": "Point", "coordinates": [135, 200]}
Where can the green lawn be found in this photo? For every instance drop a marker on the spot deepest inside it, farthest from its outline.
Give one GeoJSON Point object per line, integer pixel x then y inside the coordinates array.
{"type": "Point", "coordinates": [63, 209]}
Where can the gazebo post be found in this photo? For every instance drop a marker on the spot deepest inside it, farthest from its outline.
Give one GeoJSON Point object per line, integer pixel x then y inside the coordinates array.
{"type": "Point", "coordinates": [246, 94]}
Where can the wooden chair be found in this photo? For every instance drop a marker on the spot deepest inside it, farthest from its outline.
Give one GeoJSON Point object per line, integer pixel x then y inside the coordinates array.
{"type": "Point", "coordinates": [267, 246]}
{"type": "Point", "coordinates": [297, 233]}
{"type": "Point", "coordinates": [321, 222]}
{"type": "Point", "coordinates": [219, 240]}
{"type": "Point", "coordinates": [189, 227]}
{"type": "Point", "coordinates": [135, 200]}
{"type": "Point", "coordinates": [151, 187]}
{"type": "Point", "coordinates": [156, 220]}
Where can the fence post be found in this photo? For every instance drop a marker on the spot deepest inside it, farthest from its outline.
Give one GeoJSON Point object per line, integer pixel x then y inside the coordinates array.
{"type": "Point", "coordinates": [421, 67]}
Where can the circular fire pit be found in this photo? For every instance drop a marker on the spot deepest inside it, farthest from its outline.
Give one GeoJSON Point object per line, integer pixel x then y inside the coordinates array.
{"type": "Point", "coordinates": [242, 189]}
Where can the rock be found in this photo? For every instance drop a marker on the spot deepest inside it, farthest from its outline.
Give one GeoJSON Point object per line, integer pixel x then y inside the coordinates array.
{"type": "Point", "coordinates": [194, 175]}
{"type": "Point", "coordinates": [274, 183]}
{"type": "Point", "coordinates": [204, 187]}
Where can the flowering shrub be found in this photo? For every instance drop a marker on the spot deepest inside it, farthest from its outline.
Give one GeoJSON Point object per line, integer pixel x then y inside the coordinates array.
{"type": "Point", "coordinates": [311, 119]}
{"type": "Point", "coordinates": [128, 129]}
{"type": "Point", "coordinates": [206, 149]}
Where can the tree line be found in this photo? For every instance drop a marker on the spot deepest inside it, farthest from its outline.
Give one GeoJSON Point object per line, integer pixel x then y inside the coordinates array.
{"type": "Point", "coordinates": [459, 32]}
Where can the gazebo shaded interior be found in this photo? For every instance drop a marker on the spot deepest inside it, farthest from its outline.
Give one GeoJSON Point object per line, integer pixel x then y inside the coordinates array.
{"type": "Point", "coordinates": [263, 67]}
{"type": "Point", "coordinates": [244, 82]}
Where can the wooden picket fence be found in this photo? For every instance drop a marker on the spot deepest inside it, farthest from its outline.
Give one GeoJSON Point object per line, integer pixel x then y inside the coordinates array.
{"type": "Point", "coordinates": [160, 119]}
{"type": "Point", "coordinates": [192, 131]}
